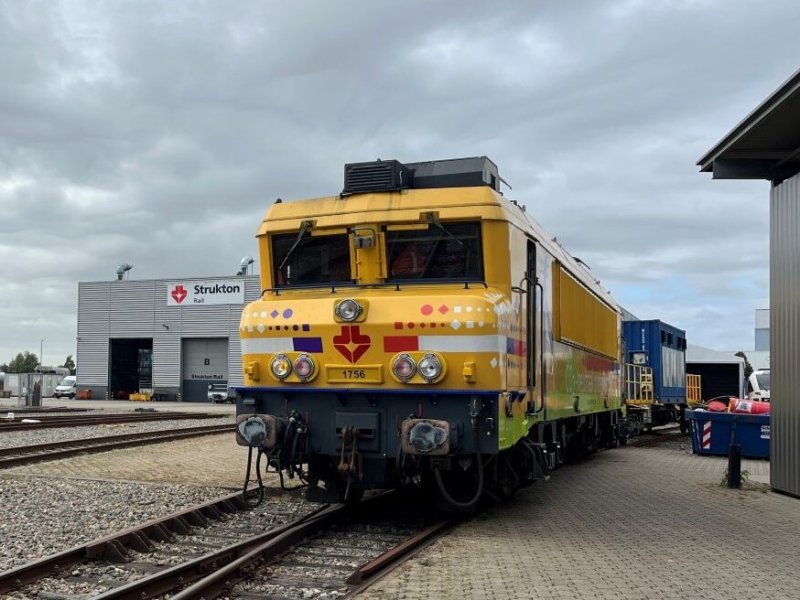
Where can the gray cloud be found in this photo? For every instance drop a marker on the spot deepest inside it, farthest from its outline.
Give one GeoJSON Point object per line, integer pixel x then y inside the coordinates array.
{"type": "Point", "coordinates": [158, 134]}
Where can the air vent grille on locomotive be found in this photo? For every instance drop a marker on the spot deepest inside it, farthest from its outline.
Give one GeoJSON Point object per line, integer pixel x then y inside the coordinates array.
{"type": "Point", "coordinates": [377, 176]}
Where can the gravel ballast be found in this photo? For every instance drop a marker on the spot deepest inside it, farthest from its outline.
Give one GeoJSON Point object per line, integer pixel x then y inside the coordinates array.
{"type": "Point", "coordinates": [10, 439]}
{"type": "Point", "coordinates": [44, 515]}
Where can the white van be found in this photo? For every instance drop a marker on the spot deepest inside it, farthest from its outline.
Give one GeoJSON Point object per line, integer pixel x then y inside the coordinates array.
{"type": "Point", "coordinates": [758, 385]}
{"type": "Point", "coordinates": [66, 387]}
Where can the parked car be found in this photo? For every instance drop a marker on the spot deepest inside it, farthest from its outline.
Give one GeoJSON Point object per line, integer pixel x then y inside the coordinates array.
{"type": "Point", "coordinates": [218, 393]}
{"type": "Point", "coordinates": [66, 387]}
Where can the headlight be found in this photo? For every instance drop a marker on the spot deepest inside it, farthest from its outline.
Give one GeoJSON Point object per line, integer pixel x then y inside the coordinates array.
{"type": "Point", "coordinates": [281, 366]}
{"type": "Point", "coordinates": [303, 367]}
{"type": "Point", "coordinates": [404, 367]}
{"type": "Point", "coordinates": [348, 310]}
{"type": "Point", "coordinates": [430, 367]}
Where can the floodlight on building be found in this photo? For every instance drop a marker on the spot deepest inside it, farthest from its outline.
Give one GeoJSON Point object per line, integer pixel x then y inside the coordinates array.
{"type": "Point", "coordinates": [122, 269]}
{"type": "Point", "coordinates": [244, 264]}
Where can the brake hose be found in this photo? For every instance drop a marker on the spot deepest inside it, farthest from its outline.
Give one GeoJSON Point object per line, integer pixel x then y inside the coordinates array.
{"type": "Point", "coordinates": [479, 492]}
{"type": "Point", "coordinates": [260, 498]}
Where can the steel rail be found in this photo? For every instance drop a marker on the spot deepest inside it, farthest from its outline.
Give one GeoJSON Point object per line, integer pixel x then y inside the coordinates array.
{"type": "Point", "coordinates": [403, 550]}
{"type": "Point", "coordinates": [89, 420]}
{"type": "Point", "coordinates": [20, 455]}
{"type": "Point", "coordinates": [657, 436]}
{"type": "Point", "coordinates": [139, 537]}
{"type": "Point", "coordinates": [217, 572]}
{"type": "Point", "coordinates": [30, 410]}
{"type": "Point", "coordinates": [222, 580]}
{"type": "Point", "coordinates": [179, 575]}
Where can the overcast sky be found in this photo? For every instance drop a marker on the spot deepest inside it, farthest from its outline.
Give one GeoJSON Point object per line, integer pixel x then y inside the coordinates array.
{"type": "Point", "coordinates": [157, 133]}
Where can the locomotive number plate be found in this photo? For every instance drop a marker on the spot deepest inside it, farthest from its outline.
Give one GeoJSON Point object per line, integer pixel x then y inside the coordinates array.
{"type": "Point", "coordinates": [354, 373]}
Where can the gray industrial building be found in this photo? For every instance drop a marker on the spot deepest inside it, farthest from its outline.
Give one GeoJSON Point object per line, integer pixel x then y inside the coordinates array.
{"type": "Point", "coordinates": [762, 330]}
{"type": "Point", "coordinates": [766, 145]}
{"type": "Point", "coordinates": [169, 337]}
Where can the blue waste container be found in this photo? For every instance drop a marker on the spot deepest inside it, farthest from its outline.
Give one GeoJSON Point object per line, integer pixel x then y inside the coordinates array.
{"type": "Point", "coordinates": [714, 432]}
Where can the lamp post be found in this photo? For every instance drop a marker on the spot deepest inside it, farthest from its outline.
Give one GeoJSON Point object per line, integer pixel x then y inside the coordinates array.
{"type": "Point", "coordinates": [41, 352]}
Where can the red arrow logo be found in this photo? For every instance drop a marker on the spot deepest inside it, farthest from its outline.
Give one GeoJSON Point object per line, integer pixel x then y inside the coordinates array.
{"type": "Point", "coordinates": [351, 343]}
{"type": "Point", "coordinates": [179, 293]}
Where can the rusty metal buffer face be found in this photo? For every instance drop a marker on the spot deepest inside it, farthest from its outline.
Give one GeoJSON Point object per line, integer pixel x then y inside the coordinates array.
{"type": "Point", "coordinates": [427, 437]}
{"type": "Point", "coordinates": [258, 431]}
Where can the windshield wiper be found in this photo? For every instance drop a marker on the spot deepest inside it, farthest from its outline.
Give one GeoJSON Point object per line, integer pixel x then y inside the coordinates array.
{"type": "Point", "coordinates": [305, 228]}
{"type": "Point", "coordinates": [434, 220]}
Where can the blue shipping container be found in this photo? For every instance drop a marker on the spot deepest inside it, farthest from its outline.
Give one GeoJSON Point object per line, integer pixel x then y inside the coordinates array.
{"type": "Point", "coordinates": [714, 432]}
{"type": "Point", "coordinates": [661, 347]}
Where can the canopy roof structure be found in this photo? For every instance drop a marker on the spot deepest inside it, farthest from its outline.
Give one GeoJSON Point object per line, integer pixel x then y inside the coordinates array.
{"type": "Point", "coordinates": [766, 144]}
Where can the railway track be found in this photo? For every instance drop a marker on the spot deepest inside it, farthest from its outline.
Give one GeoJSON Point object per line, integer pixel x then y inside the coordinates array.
{"type": "Point", "coordinates": [278, 550]}
{"type": "Point", "coordinates": [29, 410]}
{"type": "Point", "coordinates": [48, 422]}
{"type": "Point", "coordinates": [20, 455]}
{"type": "Point", "coordinates": [658, 436]}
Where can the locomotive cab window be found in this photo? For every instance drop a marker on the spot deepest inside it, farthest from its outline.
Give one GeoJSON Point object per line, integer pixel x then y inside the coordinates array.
{"type": "Point", "coordinates": [300, 259]}
{"type": "Point", "coordinates": [443, 251]}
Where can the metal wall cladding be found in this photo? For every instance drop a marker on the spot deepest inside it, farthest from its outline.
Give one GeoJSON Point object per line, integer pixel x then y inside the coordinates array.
{"type": "Point", "coordinates": [785, 335]}
{"type": "Point", "coordinates": [762, 340]}
{"type": "Point", "coordinates": [93, 333]}
{"type": "Point", "coordinates": [138, 309]}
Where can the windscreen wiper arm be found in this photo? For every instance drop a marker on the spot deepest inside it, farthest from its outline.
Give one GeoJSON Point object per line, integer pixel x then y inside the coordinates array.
{"type": "Point", "coordinates": [434, 220]}
{"type": "Point", "coordinates": [305, 228]}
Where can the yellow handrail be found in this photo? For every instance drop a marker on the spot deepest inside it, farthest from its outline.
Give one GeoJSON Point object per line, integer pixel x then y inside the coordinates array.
{"type": "Point", "coordinates": [639, 384]}
{"type": "Point", "coordinates": [693, 395]}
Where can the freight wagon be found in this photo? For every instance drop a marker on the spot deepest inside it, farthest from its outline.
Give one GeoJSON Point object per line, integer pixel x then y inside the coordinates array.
{"type": "Point", "coordinates": [655, 373]}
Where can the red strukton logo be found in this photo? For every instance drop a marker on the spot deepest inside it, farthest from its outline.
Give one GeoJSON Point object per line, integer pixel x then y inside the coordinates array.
{"type": "Point", "coordinates": [351, 343]}
{"type": "Point", "coordinates": [179, 293]}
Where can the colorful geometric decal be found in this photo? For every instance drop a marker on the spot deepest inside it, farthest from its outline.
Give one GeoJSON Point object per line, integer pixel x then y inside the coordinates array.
{"type": "Point", "coordinates": [426, 309]}
{"type": "Point", "coordinates": [516, 347]}
{"type": "Point", "coordinates": [400, 343]}
{"type": "Point", "coordinates": [351, 343]}
{"type": "Point", "coordinates": [307, 344]}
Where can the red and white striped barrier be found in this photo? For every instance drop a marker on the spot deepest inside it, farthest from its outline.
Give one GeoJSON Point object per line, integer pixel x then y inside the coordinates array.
{"type": "Point", "coordinates": [707, 435]}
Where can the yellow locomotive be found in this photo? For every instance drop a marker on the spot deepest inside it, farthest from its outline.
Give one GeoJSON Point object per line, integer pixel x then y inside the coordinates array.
{"type": "Point", "coordinates": [421, 329]}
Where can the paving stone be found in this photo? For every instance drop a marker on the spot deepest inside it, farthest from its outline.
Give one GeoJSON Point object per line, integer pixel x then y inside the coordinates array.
{"type": "Point", "coordinates": [629, 523]}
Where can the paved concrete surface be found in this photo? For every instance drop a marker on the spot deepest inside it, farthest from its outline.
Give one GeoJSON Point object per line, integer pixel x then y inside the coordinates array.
{"type": "Point", "coordinates": [629, 523]}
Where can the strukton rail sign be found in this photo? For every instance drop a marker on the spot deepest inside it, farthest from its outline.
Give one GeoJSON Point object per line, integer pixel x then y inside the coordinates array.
{"type": "Point", "coordinates": [204, 293]}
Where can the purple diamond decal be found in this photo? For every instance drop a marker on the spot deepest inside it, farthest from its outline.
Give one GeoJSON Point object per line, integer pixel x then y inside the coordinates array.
{"type": "Point", "coordinates": [274, 314]}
